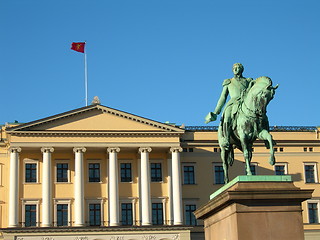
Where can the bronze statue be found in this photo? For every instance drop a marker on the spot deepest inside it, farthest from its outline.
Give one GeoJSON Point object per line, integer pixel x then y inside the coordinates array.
{"type": "Point", "coordinates": [244, 117]}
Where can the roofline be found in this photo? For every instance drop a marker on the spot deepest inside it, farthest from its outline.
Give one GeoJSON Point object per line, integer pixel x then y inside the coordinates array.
{"type": "Point", "coordinates": [88, 108]}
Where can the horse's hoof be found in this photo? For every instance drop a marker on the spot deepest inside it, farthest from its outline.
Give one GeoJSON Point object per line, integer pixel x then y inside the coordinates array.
{"type": "Point", "coordinates": [272, 161]}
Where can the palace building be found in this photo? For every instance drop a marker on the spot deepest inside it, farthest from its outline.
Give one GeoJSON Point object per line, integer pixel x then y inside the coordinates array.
{"type": "Point", "coordinates": [101, 173]}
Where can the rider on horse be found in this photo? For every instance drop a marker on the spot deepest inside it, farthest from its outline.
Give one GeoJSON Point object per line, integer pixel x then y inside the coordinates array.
{"type": "Point", "coordinates": [236, 88]}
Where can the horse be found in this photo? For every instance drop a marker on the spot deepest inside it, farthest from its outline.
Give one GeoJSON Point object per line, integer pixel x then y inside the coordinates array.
{"type": "Point", "coordinates": [249, 123]}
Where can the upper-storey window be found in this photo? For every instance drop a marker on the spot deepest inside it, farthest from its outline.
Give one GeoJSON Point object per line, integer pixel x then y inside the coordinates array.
{"type": "Point", "coordinates": [310, 173]}
{"type": "Point", "coordinates": [156, 172]}
{"type": "Point", "coordinates": [62, 172]}
{"type": "Point", "coordinates": [218, 174]}
{"type": "Point", "coordinates": [188, 174]}
{"type": "Point", "coordinates": [30, 172]}
{"type": "Point", "coordinates": [62, 214]}
{"type": "Point", "coordinates": [94, 172]}
{"type": "Point", "coordinates": [189, 216]}
{"type": "Point", "coordinates": [280, 169]}
{"type": "Point", "coordinates": [125, 172]}
{"type": "Point", "coordinates": [313, 211]}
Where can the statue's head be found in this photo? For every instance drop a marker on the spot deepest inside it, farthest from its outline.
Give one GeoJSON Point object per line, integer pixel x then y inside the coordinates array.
{"type": "Point", "coordinates": [237, 68]}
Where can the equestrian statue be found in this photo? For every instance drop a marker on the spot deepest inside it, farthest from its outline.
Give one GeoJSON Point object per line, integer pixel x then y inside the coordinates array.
{"type": "Point", "coordinates": [244, 117]}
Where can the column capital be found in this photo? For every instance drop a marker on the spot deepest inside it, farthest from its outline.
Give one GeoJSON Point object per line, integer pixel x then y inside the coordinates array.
{"type": "Point", "coordinates": [175, 149]}
{"type": "Point", "coordinates": [113, 149]}
{"type": "Point", "coordinates": [79, 149]}
{"type": "Point", "coordinates": [14, 149]}
{"type": "Point", "coordinates": [47, 149]}
{"type": "Point", "coordinates": [145, 149]}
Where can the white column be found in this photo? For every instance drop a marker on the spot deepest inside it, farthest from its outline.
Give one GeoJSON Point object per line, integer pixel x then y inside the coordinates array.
{"type": "Point", "coordinates": [46, 188]}
{"type": "Point", "coordinates": [176, 186]}
{"type": "Point", "coordinates": [14, 187]}
{"type": "Point", "coordinates": [113, 195]}
{"type": "Point", "coordinates": [145, 201]}
{"type": "Point", "coordinates": [134, 215]}
{"type": "Point", "coordinates": [170, 207]}
{"type": "Point", "coordinates": [79, 188]}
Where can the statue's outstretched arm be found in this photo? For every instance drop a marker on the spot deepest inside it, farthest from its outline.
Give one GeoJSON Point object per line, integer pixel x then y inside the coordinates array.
{"type": "Point", "coordinates": [212, 116]}
{"type": "Point", "coordinates": [222, 100]}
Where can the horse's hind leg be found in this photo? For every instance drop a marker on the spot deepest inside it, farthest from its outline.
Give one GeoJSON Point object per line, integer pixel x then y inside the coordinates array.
{"type": "Point", "coordinates": [224, 158]}
{"type": "Point", "coordinates": [265, 135]}
{"type": "Point", "coordinates": [247, 154]}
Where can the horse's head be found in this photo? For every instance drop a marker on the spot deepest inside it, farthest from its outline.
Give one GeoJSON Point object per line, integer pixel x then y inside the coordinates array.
{"type": "Point", "coordinates": [260, 94]}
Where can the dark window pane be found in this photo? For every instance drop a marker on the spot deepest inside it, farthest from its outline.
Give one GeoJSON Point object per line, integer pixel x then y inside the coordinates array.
{"type": "Point", "coordinates": [95, 214]}
{"type": "Point", "coordinates": [309, 173]}
{"type": "Point", "coordinates": [280, 169]}
{"type": "Point", "coordinates": [126, 213]}
{"type": "Point", "coordinates": [94, 172]}
{"type": "Point", "coordinates": [156, 172]}
{"type": "Point", "coordinates": [188, 175]}
{"type": "Point", "coordinates": [157, 213]}
{"type": "Point", "coordinates": [126, 175]}
{"type": "Point", "coordinates": [30, 215]}
{"type": "Point", "coordinates": [218, 175]}
{"type": "Point", "coordinates": [31, 172]}
{"type": "Point", "coordinates": [190, 218]}
{"type": "Point", "coordinates": [313, 212]}
{"type": "Point", "coordinates": [62, 214]}
{"type": "Point", "coordinates": [62, 172]}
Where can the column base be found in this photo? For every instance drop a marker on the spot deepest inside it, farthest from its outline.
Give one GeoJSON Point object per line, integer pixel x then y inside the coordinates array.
{"type": "Point", "coordinates": [146, 224]}
{"type": "Point", "coordinates": [178, 223]}
{"type": "Point", "coordinates": [13, 226]}
{"type": "Point", "coordinates": [114, 224]}
{"type": "Point", "coordinates": [46, 225]}
{"type": "Point", "coordinates": [79, 225]}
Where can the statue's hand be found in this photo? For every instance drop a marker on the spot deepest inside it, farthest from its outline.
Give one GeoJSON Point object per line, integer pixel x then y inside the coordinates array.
{"type": "Point", "coordinates": [210, 117]}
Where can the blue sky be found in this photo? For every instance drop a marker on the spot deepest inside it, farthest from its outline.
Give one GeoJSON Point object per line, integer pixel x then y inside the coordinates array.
{"type": "Point", "coordinates": [164, 60]}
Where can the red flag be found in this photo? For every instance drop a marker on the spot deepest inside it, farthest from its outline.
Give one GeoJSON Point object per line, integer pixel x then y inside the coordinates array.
{"type": "Point", "coordinates": [78, 46]}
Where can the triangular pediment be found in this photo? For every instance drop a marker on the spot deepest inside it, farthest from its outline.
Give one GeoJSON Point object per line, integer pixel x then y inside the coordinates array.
{"type": "Point", "coordinates": [95, 118]}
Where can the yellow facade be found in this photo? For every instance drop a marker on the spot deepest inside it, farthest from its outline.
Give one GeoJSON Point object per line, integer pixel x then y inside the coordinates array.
{"type": "Point", "coordinates": [97, 128]}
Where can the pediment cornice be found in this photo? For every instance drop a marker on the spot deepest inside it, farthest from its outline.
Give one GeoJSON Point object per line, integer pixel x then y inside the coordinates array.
{"type": "Point", "coordinates": [159, 128]}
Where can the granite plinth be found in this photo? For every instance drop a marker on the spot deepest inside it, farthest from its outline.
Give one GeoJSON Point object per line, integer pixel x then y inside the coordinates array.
{"type": "Point", "coordinates": [255, 207]}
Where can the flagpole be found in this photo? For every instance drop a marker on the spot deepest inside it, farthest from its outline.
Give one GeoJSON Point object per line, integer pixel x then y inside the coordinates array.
{"type": "Point", "coordinates": [86, 76]}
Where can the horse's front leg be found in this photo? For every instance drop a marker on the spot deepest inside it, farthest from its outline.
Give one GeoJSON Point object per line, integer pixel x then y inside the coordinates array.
{"type": "Point", "coordinates": [224, 158]}
{"type": "Point", "coordinates": [265, 135]}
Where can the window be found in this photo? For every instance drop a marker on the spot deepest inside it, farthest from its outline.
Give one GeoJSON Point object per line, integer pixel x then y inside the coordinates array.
{"type": "Point", "coordinates": [280, 169]}
{"type": "Point", "coordinates": [30, 219]}
{"type": "Point", "coordinates": [156, 172]}
{"type": "Point", "coordinates": [313, 212]}
{"type": "Point", "coordinates": [305, 149]}
{"type": "Point", "coordinates": [190, 218]}
{"type": "Point", "coordinates": [62, 215]}
{"type": "Point", "coordinates": [126, 174]}
{"type": "Point", "coordinates": [157, 213]}
{"type": "Point", "coordinates": [126, 213]}
{"type": "Point", "coordinates": [281, 149]}
{"type": "Point", "coordinates": [253, 169]}
{"type": "Point", "coordinates": [188, 175]}
{"type": "Point", "coordinates": [218, 174]}
{"type": "Point", "coordinates": [310, 149]}
{"type": "Point", "coordinates": [31, 172]}
{"type": "Point", "coordinates": [94, 172]}
{"type": "Point", "coordinates": [310, 172]}
{"type": "Point", "coordinates": [275, 149]}
{"type": "Point", "coordinates": [95, 214]}
{"type": "Point", "coordinates": [187, 149]}
{"type": "Point", "coordinates": [62, 172]}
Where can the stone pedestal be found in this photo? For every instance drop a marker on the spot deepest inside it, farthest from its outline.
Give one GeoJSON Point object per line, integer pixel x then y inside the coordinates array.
{"type": "Point", "coordinates": [255, 207]}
